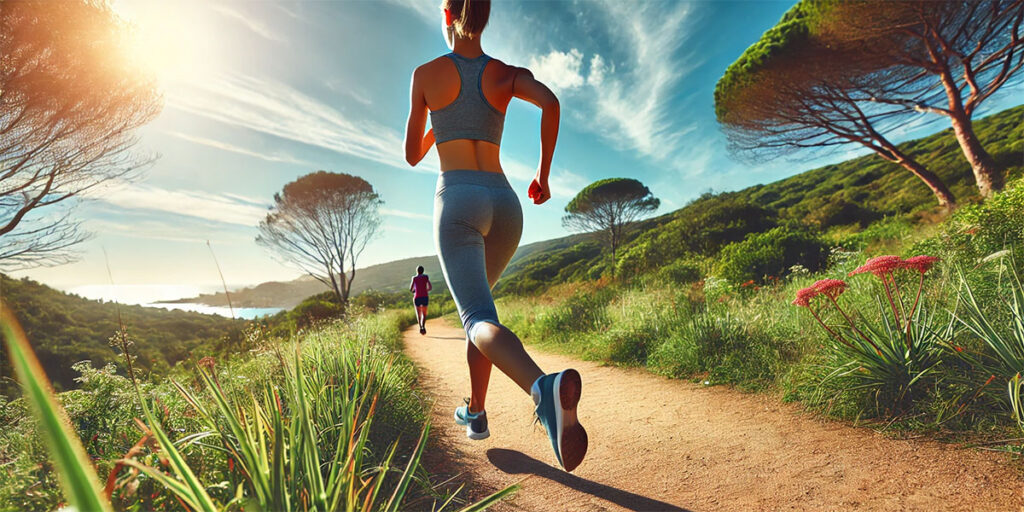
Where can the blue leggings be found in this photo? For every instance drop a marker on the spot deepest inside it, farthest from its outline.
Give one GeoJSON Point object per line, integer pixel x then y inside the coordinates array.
{"type": "Point", "coordinates": [477, 225]}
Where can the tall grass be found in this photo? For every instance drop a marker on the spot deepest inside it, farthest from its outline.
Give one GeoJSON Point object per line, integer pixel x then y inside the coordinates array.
{"type": "Point", "coordinates": [326, 421]}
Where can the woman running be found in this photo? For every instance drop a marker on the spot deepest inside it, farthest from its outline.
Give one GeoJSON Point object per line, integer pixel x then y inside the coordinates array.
{"type": "Point", "coordinates": [477, 216]}
{"type": "Point", "coordinates": [420, 288]}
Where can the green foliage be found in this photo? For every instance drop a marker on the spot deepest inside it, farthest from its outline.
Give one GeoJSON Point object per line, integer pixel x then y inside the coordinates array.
{"type": "Point", "coordinates": [77, 476]}
{"type": "Point", "coordinates": [611, 190]}
{"type": "Point", "coordinates": [65, 329]}
{"type": "Point", "coordinates": [794, 28]}
{"type": "Point", "coordinates": [541, 271]}
{"type": "Point", "coordinates": [771, 254]}
{"type": "Point", "coordinates": [1004, 339]}
{"type": "Point", "coordinates": [888, 230]}
{"type": "Point", "coordinates": [329, 418]}
{"type": "Point", "coordinates": [877, 189]}
{"type": "Point", "coordinates": [977, 231]}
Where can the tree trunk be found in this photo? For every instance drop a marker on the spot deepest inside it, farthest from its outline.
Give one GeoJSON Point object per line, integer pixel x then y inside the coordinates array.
{"type": "Point", "coordinates": [933, 182]}
{"type": "Point", "coordinates": [987, 174]}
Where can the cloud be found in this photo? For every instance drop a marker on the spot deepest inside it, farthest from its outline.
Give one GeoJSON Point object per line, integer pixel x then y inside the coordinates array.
{"type": "Point", "coordinates": [558, 70]}
{"type": "Point", "coordinates": [249, 22]}
{"type": "Point", "coordinates": [277, 109]}
{"type": "Point", "coordinates": [224, 146]}
{"type": "Point", "coordinates": [223, 208]}
{"type": "Point", "coordinates": [405, 214]}
{"type": "Point", "coordinates": [597, 71]}
{"type": "Point", "coordinates": [633, 102]}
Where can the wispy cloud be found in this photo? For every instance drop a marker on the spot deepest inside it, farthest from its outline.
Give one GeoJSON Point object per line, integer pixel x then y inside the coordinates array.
{"type": "Point", "coordinates": [223, 208]}
{"type": "Point", "coordinates": [632, 102]}
{"type": "Point", "coordinates": [405, 214]}
{"type": "Point", "coordinates": [277, 157]}
{"type": "Point", "coordinates": [254, 25]}
{"type": "Point", "coordinates": [277, 109]}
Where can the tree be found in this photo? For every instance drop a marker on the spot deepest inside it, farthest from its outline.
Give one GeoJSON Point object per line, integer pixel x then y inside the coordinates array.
{"type": "Point", "coordinates": [608, 206]}
{"type": "Point", "coordinates": [70, 101]}
{"type": "Point", "coordinates": [321, 223]}
{"type": "Point", "coordinates": [792, 91]}
{"type": "Point", "coordinates": [954, 55]}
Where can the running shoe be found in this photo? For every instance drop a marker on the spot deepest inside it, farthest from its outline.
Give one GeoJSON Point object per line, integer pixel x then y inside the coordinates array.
{"type": "Point", "coordinates": [423, 330]}
{"type": "Point", "coordinates": [476, 424]}
{"type": "Point", "coordinates": [559, 393]}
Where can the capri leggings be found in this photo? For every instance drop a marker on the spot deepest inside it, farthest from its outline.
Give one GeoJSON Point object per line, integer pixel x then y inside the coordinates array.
{"type": "Point", "coordinates": [477, 225]}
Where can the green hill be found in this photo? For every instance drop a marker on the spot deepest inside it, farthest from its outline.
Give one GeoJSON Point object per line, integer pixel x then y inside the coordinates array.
{"type": "Point", "coordinates": [65, 329]}
{"type": "Point", "coordinates": [389, 277]}
{"type": "Point", "coordinates": [837, 198]}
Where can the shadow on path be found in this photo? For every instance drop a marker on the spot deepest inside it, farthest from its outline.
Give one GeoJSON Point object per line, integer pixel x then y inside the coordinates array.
{"type": "Point", "coordinates": [513, 462]}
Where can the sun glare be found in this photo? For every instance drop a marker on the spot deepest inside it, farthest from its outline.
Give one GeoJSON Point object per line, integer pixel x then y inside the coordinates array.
{"type": "Point", "coordinates": [174, 40]}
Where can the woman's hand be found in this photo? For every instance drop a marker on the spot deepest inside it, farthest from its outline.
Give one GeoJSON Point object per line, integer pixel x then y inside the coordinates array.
{"type": "Point", "coordinates": [539, 190]}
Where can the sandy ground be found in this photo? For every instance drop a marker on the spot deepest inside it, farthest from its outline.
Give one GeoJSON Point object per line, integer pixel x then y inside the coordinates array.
{"type": "Point", "coordinates": [659, 444]}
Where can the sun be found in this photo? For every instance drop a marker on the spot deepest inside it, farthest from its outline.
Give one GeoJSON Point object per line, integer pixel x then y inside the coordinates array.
{"type": "Point", "coordinates": [176, 41]}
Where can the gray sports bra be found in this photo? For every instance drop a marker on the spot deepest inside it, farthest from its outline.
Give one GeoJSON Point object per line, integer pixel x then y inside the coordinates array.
{"type": "Point", "coordinates": [470, 116]}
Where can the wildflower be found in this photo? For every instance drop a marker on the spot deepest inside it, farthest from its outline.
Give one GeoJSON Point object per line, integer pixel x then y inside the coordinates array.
{"type": "Point", "coordinates": [804, 296]}
{"type": "Point", "coordinates": [207, 362]}
{"type": "Point", "coordinates": [919, 263]}
{"type": "Point", "coordinates": [832, 288]}
{"type": "Point", "coordinates": [879, 265]}
{"type": "Point", "coordinates": [958, 348]}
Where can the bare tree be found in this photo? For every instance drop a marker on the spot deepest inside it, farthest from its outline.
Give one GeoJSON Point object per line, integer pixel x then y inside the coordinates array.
{"type": "Point", "coordinates": [954, 55]}
{"type": "Point", "coordinates": [321, 223]}
{"type": "Point", "coordinates": [70, 102]}
{"type": "Point", "coordinates": [607, 206]}
{"type": "Point", "coordinates": [791, 91]}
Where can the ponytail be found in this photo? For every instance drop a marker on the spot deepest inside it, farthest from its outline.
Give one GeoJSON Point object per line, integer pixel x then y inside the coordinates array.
{"type": "Point", "coordinates": [469, 16]}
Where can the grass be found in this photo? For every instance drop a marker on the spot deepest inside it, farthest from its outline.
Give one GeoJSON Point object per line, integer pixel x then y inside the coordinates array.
{"type": "Point", "coordinates": [327, 420]}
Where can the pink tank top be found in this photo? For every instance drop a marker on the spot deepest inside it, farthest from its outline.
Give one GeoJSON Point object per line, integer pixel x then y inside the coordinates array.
{"type": "Point", "coordinates": [419, 284]}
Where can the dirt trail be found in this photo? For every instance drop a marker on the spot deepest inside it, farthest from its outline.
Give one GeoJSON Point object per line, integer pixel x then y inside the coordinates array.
{"type": "Point", "coordinates": [659, 444]}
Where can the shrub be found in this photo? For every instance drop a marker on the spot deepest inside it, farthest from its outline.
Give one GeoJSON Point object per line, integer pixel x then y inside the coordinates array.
{"type": "Point", "coordinates": [771, 253]}
{"type": "Point", "coordinates": [977, 231]}
{"type": "Point", "coordinates": [582, 312]}
{"type": "Point", "coordinates": [680, 272]}
{"type": "Point", "coordinates": [890, 354]}
{"type": "Point", "coordinates": [1005, 340]}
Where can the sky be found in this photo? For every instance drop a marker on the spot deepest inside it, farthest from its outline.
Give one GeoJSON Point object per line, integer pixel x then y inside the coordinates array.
{"type": "Point", "coordinates": [258, 93]}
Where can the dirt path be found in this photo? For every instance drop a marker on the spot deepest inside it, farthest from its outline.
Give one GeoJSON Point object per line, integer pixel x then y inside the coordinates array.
{"type": "Point", "coordinates": [659, 444]}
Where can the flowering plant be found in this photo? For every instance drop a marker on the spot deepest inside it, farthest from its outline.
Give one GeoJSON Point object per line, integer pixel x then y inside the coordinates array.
{"type": "Point", "coordinates": [890, 353]}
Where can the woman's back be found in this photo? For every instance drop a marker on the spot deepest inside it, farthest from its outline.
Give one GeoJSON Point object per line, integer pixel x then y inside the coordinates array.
{"type": "Point", "coordinates": [451, 101]}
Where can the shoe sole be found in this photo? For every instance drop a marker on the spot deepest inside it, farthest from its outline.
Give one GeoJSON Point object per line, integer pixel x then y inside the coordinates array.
{"type": "Point", "coordinates": [476, 436]}
{"type": "Point", "coordinates": [572, 437]}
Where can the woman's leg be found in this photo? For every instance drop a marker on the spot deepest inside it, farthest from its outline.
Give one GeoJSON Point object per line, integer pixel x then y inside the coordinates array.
{"type": "Point", "coordinates": [496, 342]}
{"type": "Point", "coordinates": [467, 220]}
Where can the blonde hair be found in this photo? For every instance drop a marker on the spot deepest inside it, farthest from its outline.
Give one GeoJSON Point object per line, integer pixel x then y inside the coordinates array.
{"type": "Point", "coordinates": [469, 17]}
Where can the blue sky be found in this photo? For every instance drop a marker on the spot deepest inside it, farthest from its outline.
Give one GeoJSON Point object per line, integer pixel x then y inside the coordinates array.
{"type": "Point", "coordinates": [260, 92]}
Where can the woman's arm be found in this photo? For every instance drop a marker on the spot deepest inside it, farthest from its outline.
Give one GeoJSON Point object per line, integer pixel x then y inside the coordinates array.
{"type": "Point", "coordinates": [528, 88]}
{"type": "Point", "coordinates": [429, 285]}
{"type": "Point", "coordinates": [416, 143]}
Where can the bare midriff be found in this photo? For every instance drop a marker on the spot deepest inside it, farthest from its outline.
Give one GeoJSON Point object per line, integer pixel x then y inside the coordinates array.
{"type": "Point", "coordinates": [466, 154]}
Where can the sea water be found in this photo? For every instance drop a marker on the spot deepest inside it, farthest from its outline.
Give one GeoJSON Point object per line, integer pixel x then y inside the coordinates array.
{"type": "Point", "coordinates": [150, 295]}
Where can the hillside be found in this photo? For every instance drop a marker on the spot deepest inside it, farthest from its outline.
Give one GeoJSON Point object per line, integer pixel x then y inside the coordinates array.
{"type": "Point", "coordinates": [851, 193]}
{"type": "Point", "coordinates": [389, 277]}
{"type": "Point", "coordinates": [837, 198]}
{"type": "Point", "coordinates": [65, 329]}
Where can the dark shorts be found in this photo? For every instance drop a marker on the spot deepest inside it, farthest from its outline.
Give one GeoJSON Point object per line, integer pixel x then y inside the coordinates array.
{"type": "Point", "coordinates": [421, 301]}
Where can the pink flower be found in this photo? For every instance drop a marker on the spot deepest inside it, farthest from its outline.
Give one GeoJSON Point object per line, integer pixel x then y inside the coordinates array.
{"type": "Point", "coordinates": [804, 296]}
{"type": "Point", "coordinates": [830, 287]}
{"type": "Point", "coordinates": [879, 265]}
{"type": "Point", "coordinates": [921, 263]}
